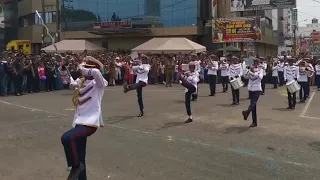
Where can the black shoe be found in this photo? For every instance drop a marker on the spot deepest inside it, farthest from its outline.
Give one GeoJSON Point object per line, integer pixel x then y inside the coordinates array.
{"type": "Point", "coordinates": [254, 125]}
{"type": "Point", "coordinates": [211, 95]}
{"type": "Point", "coordinates": [189, 120]}
{"type": "Point", "coordinates": [262, 94]}
{"type": "Point", "coordinates": [141, 114]}
{"type": "Point", "coordinates": [302, 101]}
{"type": "Point", "coordinates": [237, 103]}
{"type": "Point", "coordinates": [289, 107]}
{"type": "Point", "coordinates": [233, 103]}
{"type": "Point", "coordinates": [245, 115]}
{"type": "Point", "coordinates": [75, 172]}
{"type": "Point", "coordinates": [248, 98]}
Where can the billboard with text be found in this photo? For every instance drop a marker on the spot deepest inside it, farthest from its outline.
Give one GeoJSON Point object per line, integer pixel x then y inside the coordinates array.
{"type": "Point", "coordinates": [239, 29]}
{"type": "Point", "coordinates": [249, 5]}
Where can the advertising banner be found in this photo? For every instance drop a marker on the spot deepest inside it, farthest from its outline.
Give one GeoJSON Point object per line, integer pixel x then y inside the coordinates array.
{"type": "Point", "coordinates": [315, 36]}
{"type": "Point", "coordinates": [113, 25]}
{"type": "Point", "coordinates": [239, 29]}
{"type": "Point", "coordinates": [249, 5]}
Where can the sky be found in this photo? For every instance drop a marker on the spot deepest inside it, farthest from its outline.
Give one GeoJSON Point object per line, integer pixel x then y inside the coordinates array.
{"type": "Point", "coordinates": [308, 9]}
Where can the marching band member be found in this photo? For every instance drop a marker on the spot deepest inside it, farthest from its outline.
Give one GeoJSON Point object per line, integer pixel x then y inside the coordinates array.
{"type": "Point", "coordinates": [212, 74]}
{"type": "Point", "coordinates": [88, 116]}
{"type": "Point", "coordinates": [291, 72]}
{"type": "Point", "coordinates": [275, 76]}
{"type": "Point", "coordinates": [280, 71]}
{"type": "Point", "coordinates": [142, 71]}
{"type": "Point", "coordinates": [224, 67]}
{"type": "Point", "coordinates": [310, 70]}
{"type": "Point", "coordinates": [197, 70]}
{"type": "Point", "coordinates": [263, 66]}
{"type": "Point", "coordinates": [190, 81]}
{"type": "Point", "coordinates": [235, 71]}
{"type": "Point", "coordinates": [317, 69]}
{"type": "Point", "coordinates": [244, 70]}
{"type": "Point", "coordinates": [254, 87]}
{"type": "Point", "coordinates": [303, 81]}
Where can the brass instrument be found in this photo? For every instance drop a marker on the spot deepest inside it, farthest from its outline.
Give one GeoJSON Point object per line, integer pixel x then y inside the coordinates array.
{"type": "Point", "coordinates": [76, 93]}
{"type": "Point", "coordinates": [304, 68]}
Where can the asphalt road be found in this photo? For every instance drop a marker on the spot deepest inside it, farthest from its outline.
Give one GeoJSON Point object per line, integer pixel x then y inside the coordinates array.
{"type": "Point", "coordinates": [218, 145]}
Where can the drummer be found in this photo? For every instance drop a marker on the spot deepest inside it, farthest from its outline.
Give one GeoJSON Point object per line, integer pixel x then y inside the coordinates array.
{"type": "Point", "coordinates": [255, 90]}
{"type": "Point", "coordinates": [235, 71]}
{"type": "Point", "coordinates": [291, 73]}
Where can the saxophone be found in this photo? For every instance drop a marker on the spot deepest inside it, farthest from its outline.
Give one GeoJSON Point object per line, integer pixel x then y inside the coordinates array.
{"type": "Point", "coordinates": [76, 93]}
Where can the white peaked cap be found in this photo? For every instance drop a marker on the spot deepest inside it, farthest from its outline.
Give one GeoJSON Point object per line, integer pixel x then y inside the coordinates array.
{"type": "Point", "coordinates": [92, 59]}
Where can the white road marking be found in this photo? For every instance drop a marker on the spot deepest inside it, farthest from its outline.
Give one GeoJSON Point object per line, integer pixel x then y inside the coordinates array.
{"type": "Point", "coordinates": [310, 117]}
{"type": "Point", "coordinates": [306, 107]}
{"type": "Point", "coordinates": [32, 109]}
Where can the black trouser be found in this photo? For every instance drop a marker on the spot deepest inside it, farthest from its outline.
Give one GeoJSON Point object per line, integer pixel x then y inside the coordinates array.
{"type": "Point", "coordinates": [263, 83]}
{"type": "Point", "coordinates": [292, 99]}
{"type": "Point", "coordinates": [254, 97]}
{"type": "Point", "coordinates": [281, 78]}
{"type": "Point", "coordinates": [30, 83]}
{"type": "Point", "coordinates": [235, 95]}
{"type": "Point", "coordinates": [308, 87]}
{"type": "Point", "coordinates": [303, 91]}
{"type": "Point", "coordinates": [245, 81]}
{"type": "Point", "coordinates": [50, 83]}
{"type": "Point", "coordinates": [17, 84]}
{"type": "Point", "coordinates": [212, 83]}
{"type": "Point", "coordinates": [138, 86]}
{"type": "Point", "coordinates": [225, 81]}
{"type": "Point", "coordinates": [191, 90]}
{"type": "Point", "coordinates": [75, 144]}
{"type": "Point", "coordinates": [275, 81]}
{"type": "Point", "coordinates": [36, 84]}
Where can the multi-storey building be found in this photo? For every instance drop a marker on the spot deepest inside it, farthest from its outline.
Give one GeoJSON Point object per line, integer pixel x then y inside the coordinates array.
{"type": "Point", "coordinates": [98, 21]}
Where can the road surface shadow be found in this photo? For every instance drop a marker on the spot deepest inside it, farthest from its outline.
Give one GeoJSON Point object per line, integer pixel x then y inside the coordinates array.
{"type": "Point", "coordinates": [281, 109]}
{"type": "Point", "coordinates": [236, 130]}
{"type": "Point", "coordinates": [224, 105]}
{"type": "Point", "coordinates": [315, 146]}
{"type": "Point", "coordinates": [172, 124]}
{"type": "Point", "coordinates": [117, 119]}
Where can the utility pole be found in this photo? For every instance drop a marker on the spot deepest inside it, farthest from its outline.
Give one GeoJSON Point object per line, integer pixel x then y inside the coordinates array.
{"type": "Point", "coordinates": [43, 14]}
{"type": "Point", "coordinates": [294, 40]}
{"type": "Point", "coordinates": [58, 20]}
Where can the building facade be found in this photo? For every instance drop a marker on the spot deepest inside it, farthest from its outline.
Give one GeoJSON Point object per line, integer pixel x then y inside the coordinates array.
{"type": "Point", "coordinates": [124, 24]}
{"type": "Point", "coordinates": [289, 25]}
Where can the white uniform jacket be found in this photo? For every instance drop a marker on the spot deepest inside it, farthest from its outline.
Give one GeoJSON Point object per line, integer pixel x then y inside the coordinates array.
{"type": "Point", "coordinates": [89, 111]}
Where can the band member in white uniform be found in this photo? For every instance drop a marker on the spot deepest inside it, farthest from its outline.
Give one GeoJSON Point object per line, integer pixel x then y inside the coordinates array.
{"type": "Point", "coordinates": [190, 81]}
{"type": "Point", "coordinates": [88, 116]}
{"type": "Point", "coordinates": [311, 71]}
{"type": "Point", "coordinates": [254, 87]}
{"type": "Point", "coordinates": [224, 67]}
{"type": "Point", "coordinates": [263, 66]}
{"type": "Point", "coordinates": [317, 70]}
{"type": "Point", "coordinates": [142, 71]}
{"type": "Point", "coordinates": [291, 72]}
{"type": "Point", "coordinates": [303, 81]}
{"type": "Point", "coordinates": [235, 71]}
{"type": "Point", "coordinates": [212, 74]}
{"type": "Point", "coordinates": [197, 70]}
{"type": "Point", "coordinates": [280, 71]}
{"type": "Point", "coordinates": [275, 76]}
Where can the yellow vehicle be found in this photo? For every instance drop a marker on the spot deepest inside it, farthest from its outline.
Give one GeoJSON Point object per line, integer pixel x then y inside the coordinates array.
{"type": "Point", "coordinates": [20, 45]}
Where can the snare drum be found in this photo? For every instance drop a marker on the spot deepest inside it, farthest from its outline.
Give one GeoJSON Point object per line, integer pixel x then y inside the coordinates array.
{"type": "Point", "coordinates": [293, 86]}
{"type": "Point", "coordinates": [236, 83]}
